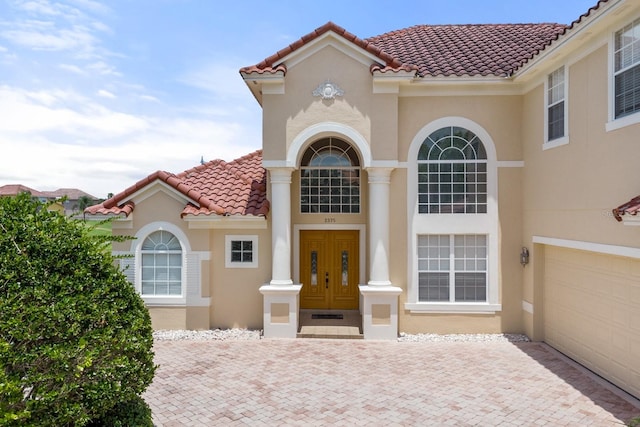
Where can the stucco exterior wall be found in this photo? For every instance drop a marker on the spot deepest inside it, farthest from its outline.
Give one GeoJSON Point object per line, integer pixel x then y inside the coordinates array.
{"type": "Point", "coordinates": [571, 189]}
{"type": "Point", "coordinates": [235, 299]}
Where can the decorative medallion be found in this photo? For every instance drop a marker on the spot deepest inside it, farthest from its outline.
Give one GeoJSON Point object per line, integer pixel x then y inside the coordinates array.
{"type": "Point", "coordinates": [328, 90]}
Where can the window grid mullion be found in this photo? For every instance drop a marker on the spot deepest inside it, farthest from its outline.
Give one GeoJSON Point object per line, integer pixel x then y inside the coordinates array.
{"type": "Point", "coordinates": [452, 268]}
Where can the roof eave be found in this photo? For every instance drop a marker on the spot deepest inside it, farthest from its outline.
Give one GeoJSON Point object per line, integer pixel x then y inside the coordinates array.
{"type": "Point", "coordinates": [575, 33]}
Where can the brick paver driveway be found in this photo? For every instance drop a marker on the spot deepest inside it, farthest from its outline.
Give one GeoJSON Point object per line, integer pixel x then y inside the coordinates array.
{"type": "Point", "coordinates": [354, 382]}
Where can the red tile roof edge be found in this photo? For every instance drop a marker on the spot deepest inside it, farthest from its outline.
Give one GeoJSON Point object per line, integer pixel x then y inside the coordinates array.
{"type": "Point", "coordinates": [569, 28]}
{"type": "Point", "coordinates": [166, 177]}
{"type": "Point", "coordinates": [267, 64]}
{"type": "Point", "coordinates": [632, 207]}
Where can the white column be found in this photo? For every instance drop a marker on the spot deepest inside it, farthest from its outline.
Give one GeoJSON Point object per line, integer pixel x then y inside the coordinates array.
{"type": "Point", "coordinates": [379, 180]}
{"type": "Point", "coordinates": [281, 226]}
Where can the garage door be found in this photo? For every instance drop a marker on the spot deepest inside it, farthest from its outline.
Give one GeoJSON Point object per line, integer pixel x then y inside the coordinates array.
{"type": "Point", "coordinates": [592, 312]}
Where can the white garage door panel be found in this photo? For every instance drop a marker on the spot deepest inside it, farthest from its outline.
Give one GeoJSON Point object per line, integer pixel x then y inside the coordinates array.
{"type": "Point", "coordinates": [592, 312]}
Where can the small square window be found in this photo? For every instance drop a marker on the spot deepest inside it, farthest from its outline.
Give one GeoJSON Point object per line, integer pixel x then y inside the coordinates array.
{"type": "Point", "coordinates": [241, 251]}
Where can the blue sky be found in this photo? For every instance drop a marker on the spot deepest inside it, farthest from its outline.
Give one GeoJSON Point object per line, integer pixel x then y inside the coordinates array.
{"type": "Point", "coordinates": [97, 95]}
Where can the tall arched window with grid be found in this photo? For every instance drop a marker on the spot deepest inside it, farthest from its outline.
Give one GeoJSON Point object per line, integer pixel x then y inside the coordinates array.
{"type": "Point", "coordinates": [452, 173]}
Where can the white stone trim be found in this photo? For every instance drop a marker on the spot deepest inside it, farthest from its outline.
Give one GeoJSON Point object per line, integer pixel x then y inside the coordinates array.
{"type": "Point", "coordinates": [450, 307]}
{"type": "Point", "coordinates": [329, 129]}
{"type": "Point", "coordinates": [510, 163]}
{"type": "Point", "coordinates": [229, 238]}
{"type": "Point", "coordinates": [625, 251]}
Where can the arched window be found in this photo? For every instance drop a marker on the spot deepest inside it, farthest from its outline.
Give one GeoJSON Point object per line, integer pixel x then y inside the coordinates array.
{"type": "Point", "coordinates": [330, 178]}
{"type": "Point", "coordinates": [161, 264]}
{"type": "Point", "coordinates": [452, 172]}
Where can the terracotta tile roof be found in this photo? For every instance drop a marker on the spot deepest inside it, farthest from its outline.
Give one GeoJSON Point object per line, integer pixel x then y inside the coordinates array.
{"type": "Point", "coordinates": [457, 50]}
{"type": "Point", "coordinates": [216, 188]}
{"type": "Point", "coordinates": [440, 50]}
{"type": "Point", "coordinates": [268, 65]}
{"type": "Point", "coordinates": [632, 207]}
{"type": "Point", "coordinates": [15, 189]}
{"type": "Point", "coordinates": [70, 193]}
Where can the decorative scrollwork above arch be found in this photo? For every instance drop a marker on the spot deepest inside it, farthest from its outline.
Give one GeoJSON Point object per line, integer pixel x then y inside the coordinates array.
{"type": "Point", "coordinates": [328, 90]}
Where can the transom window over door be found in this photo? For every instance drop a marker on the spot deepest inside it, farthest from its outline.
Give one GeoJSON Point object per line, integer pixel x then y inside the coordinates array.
{"type": "Point", "coordinates": [161, 264]}
{"type": "Point", "coordinates": [452, 173]}
{"type": "Point", "coordinates": [330, 178]}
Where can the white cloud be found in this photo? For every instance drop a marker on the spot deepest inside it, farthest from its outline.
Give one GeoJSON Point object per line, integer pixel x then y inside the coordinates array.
{"type": "Point", "coordinates": [103, 68]}
{"type": "Point", "coordinates": [219, 79]}
{"type": "Point", "coordinates": [58, 138]}
{"type": "Point", "coordinates": [106, 94]}
{"type": "Point", "coordinates": [29, 112]}
{"type": "Point", "coordinates": [73, 68]}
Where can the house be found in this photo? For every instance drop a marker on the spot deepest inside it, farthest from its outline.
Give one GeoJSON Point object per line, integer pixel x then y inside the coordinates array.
{"type": "Point", "coordinates": [442, 179]}
{"type": "Point", "coordinates": [75, 200]}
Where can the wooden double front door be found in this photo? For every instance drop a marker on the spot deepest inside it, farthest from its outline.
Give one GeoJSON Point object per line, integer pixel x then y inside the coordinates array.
{"type": "Point", "coordinates": [329, 269]}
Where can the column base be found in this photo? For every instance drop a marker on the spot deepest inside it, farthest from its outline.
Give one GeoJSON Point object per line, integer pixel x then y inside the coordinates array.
{"type": "Point", "coordinates": [380, 312]}
{"type": "Point", "coordinates": [280, 310]}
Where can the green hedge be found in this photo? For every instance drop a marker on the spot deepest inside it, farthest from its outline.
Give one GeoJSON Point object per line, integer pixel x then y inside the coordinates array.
{"type": "Point", "coordinates": [75, 338]}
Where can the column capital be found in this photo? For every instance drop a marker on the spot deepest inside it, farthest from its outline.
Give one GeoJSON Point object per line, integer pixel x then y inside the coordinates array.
{"type": "Point", "coordinates": [379, 175]}
{"type": "Point", "coordinates": [280, 175]}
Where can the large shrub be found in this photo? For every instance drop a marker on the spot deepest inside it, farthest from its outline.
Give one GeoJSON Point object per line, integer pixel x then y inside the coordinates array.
{"type": "Point", "coordinates": [75, 338]}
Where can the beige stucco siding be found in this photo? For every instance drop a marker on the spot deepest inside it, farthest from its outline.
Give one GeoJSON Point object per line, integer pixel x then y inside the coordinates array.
{"type": "Point", "coordinates": [498, 115]}
{"type": "Point", "coordinates": [285, 116]}
{"type": "Point", "coordinates": [570, 190]}
{"type": "Point", "coordinates": [235, 299]}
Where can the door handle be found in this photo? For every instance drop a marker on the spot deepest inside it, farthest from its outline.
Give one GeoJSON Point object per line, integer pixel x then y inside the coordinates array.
{"type": "Point", "coordinates": [326, 280]}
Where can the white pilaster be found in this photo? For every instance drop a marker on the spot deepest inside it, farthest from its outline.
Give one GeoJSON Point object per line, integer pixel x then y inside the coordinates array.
{"type": "Point", "coordinates": [379, 297]}
{"type": "Point", "coordinates": [281, 226]}
{"type": "Point", "coordinates": [280, 304]}
{"type": "Point", "coordinates": [379, 180]}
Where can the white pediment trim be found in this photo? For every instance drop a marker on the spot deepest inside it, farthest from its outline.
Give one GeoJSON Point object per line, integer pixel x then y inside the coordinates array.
{"type": "Point", "coordinates": [329, 39]}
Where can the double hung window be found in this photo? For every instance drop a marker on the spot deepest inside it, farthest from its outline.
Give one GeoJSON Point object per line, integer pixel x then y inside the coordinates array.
{"type": "Point", "coordinates": [556, 105]}
{"type": "Point", "coordinates": [627, 70]}
{"type": "Point", "coordinates": [452, 268]}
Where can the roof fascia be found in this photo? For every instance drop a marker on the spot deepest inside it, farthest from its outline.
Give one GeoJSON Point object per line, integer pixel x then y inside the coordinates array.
{"type": "Point", "coordinates": [248, 222]}
{"type": "Point", "coordinates": [580, 33]}
{"type": "Point", "coordinates": [155, 187]}
{"type": "Point", "coordinates": [460, 86]}
{"type": "Point", "coordinates": [330, 38]}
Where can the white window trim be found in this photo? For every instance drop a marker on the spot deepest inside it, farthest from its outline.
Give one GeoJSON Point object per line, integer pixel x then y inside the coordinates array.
{"type": "Point", "coordinates": [136, 248]}
{"type": "Point", "coordinates": [453, 223]}
{"type": "Point", "coordinates": [227, 251]}
{"type": "Point", "coordinates": [563, 140]}
{"type": "Point", "coordinates": [628, 120]}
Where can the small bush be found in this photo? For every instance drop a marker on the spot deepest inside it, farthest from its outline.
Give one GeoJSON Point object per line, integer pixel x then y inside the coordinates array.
{"type": "Point", "coordinates": [135, 412]}
{"type": "Point", "coordinates": [75, 337]}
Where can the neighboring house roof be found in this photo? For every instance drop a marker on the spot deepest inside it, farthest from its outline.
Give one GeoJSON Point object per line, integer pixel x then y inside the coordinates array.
{"type": "Point", "coordinates": [632, 207]}
{"type": "Point", "coordinates": [216, 188]}
{"type": "Point", "coordinates": [70, 193]}
{"type": "Point", "coordinates": [443, 50]}
{"type": "Point", "coordinates": [15, 189]}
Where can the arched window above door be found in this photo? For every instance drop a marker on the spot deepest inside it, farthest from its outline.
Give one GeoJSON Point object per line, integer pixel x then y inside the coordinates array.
{"type": "Point", "coordinates": [330, 178]}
